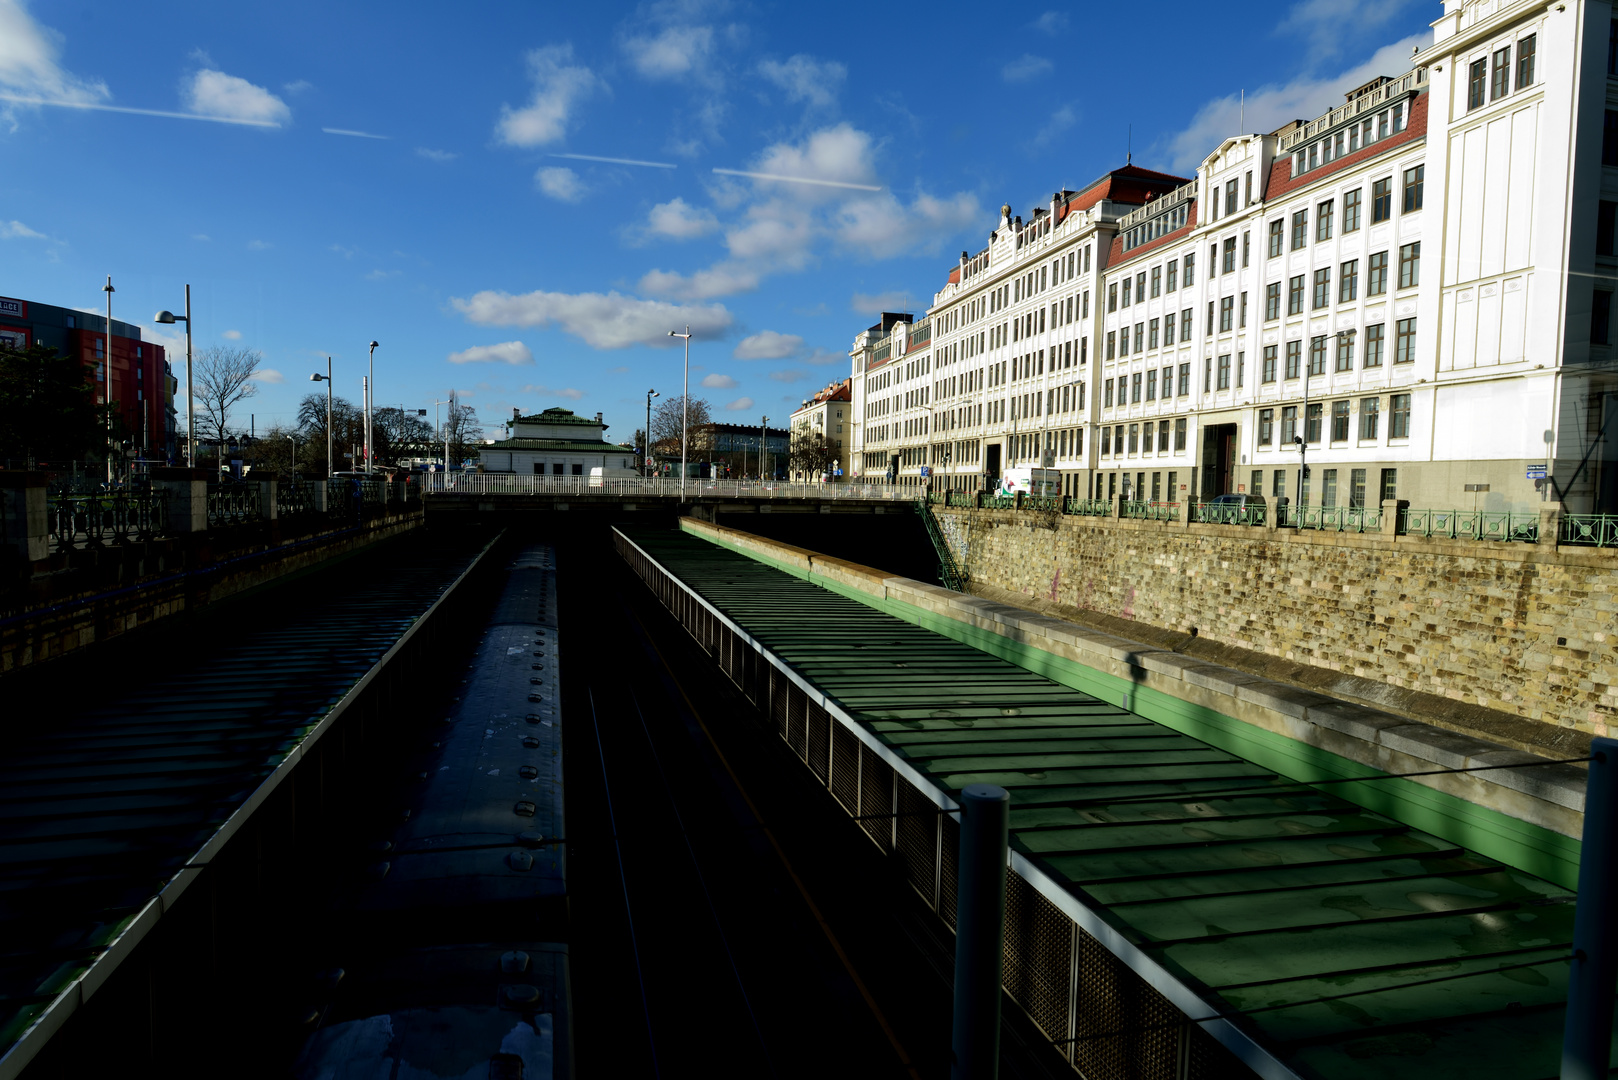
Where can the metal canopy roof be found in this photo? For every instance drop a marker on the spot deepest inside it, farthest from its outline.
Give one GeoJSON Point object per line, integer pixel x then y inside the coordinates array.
{"type": "Point", "coordinates": [1263, 902]}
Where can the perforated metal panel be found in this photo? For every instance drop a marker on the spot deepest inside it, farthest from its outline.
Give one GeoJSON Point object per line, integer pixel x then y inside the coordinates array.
{"type": "Point", "coordinates": [918, 841]}
{"type": "Point", "coordinates": [1038, 970]}
{"type": "Point", "coordinates": [949, 861]}
{"type": "Point", "coordinates": [797, 704]}
{"type": "Point", "coordinates": [778, 702]}
{"type": "Point", "coordinates": [876, 797]}
{"type": "Point", "coordinates": [845, 767]}
{"type": "Point", "coordinates": [819, 740]}
{"type": "Point", "coordinates": [1112, 998]}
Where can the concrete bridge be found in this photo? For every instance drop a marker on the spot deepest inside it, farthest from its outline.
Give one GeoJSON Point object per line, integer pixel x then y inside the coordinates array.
{"type": "Point", "coordinates": [697, 498]}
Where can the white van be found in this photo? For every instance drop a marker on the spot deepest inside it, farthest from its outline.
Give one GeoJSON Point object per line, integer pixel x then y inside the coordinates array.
{"type": "Point", "coordinates": [1031, 481]}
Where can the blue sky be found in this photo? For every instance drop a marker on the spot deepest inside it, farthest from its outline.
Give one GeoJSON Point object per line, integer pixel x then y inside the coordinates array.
{"type": "Point", "coordinates": [431, 176]}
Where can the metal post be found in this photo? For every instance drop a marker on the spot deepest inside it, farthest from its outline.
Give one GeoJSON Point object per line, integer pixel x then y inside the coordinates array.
{"type": "Point", "coordinates": [106, 376]}
{"type": "Point", "coordinates": [685, 409]}
{"type": "Point", "coordinates": [646, 455]}
{"type": "Point", "coordinates": [1587, 1038]}
{"type": "Point", "coordinates": [980, 923]}
{"type": "Point", "coordinates": [369, 389]}
{"type": "Point", "coordinates": [328, 419]}
{"type": "Point", "coordinates": [763, 437]}
{"type": "Point", "coordinates": [190, 400]}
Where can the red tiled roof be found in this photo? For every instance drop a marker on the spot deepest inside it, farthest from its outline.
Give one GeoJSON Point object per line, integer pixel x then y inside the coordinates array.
{"type": "Point", "coordinates": [1129, 184]}
{"type": "Point", "coordinates": [955, 275]}
{"type": "Point", "coordinates": [1282, 182]}
{"type": "Point", "coordinates": [1115, 254]}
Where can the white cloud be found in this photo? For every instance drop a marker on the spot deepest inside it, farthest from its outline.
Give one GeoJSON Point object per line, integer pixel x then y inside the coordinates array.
{"type": "Point", "coordinates": [883, 227]}
{"type": "Point", "coordinates": [213, 93]}
{"type": "Point", "coordinates": [570, 393]}
{"type": "Point", "coordinates": [789, 375]}
{"type": "Point", "coordinates": [382, 275]}
{"type": "Point", "coordinates": [345, 252]}
{"type": "Point", "coordinates": [1026, 67]}
{"type": "Point", "coordinates": [1268, 107]}
{"type": "Point", "coordinates": [876, 304]}
{"type": "Point", "coordinates": [439, 156]}
{"type": "Point", "coordinates": [1329, 23]}
{"type": "Point", "coordinates": [826, 356]}
{"type": "Point", "coordinates": [352, 134]}
{"type": "Point", "coordinates": [768, 345]}
{"type": "Point", "coordinates": [232, 335]}
{"type": "Point", "coordinates": [739, 404]}
{"type": "Point", "coordinates": [297, 86]}
{"type": "Point", "coordinates": [673, 52]}
{"type": "Point", "coordinates": [560, 183]}
{"type": "Point", "coordinates": [16, 230]}
{"type": "Point", "coordinates": [1051, 23]}
{"type": "Point", "coordinates": [507, 352]}
{"type": "Point", "coordinates": [602, 321]}
{"type": "Point", "coordinates": [1060, 121]}
{"type": "Point", "coordinates": [560, 86]}
{"type": "Point", "coordinates": [717, 381]}
{"type": "Point", "coordinates": [679, 220]}
{"type": "Point", "coordinates": [28, 61]}
{"type": "Point", "coordinates": [269, 375]}
{"type": "Point", "coordinates": [204, 237]}
{"type": "Point", "coordinates": [842, 153]}
{"type": "Point", "coordinates": [806, 79]}
{"type": "Point", "coordinates": [724, 279]}
{"type": "Point", "coordinates": [259, 245]}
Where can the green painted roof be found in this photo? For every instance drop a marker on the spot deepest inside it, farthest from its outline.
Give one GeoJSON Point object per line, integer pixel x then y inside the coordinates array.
{"type": "Point", "coordinates": [558, 446]}
{"type": "Point", "coordinates": [1259, 901]}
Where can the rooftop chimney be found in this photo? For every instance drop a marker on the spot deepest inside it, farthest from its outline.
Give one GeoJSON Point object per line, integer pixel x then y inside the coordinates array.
{"type": "Point", "coordinates": [598, 418]}
{"type": "Point", "coordinates": [516, 413]}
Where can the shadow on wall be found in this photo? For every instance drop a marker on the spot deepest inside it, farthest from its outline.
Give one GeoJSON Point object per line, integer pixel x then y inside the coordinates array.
{"type": "Point", "coordinates": [895, 542]}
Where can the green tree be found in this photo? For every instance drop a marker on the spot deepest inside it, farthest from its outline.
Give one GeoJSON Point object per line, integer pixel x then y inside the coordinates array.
{"type": "Point", "coordinates": [48, 410]}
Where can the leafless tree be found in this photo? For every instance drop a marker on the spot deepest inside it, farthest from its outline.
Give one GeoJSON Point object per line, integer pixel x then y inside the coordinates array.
{"type": "Point", "coordinates": [667, 419]}
{"type": "Point", "coordinates": [813, 454]}
{"type": "Point", "coordinates": [462, 429]}
{"type": "Point", "coordinates": [224, 379]}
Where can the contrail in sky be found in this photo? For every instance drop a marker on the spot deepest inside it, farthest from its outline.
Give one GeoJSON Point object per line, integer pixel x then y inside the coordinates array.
{"type": "Point", "coordinates": [354, 134]}
{"type": "Point", "coordinates": [20, 100]}
{"type": "Point", "coordinates": [617, 161]}
{"type": "Point", "coordinates": [796, 179]}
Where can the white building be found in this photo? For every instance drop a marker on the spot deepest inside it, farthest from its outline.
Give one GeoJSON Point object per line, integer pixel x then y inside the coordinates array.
{"type": "Point", "coordinates": [1417, 283]}
{"type": "Point", "coordinates": [557, 442]}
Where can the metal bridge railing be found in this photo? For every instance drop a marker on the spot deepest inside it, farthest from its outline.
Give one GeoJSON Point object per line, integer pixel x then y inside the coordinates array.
{"type": "Point", "coordinates": [80, 520]}
{"type": "Point", "coordinates": [1149, 511]}
{"type": "Point", "coordinates": [1471, 525]}
{"type": "Point", "coordinates": [1595, 530]}
{"type": "Point", "coordinates": [1217, 513]}
{"type": "Point", "coordinates": [657, 486]}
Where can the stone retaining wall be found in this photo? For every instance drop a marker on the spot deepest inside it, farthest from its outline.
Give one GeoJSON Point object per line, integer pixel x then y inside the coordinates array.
{"type": "Point", "coordinates": [1524, 629]}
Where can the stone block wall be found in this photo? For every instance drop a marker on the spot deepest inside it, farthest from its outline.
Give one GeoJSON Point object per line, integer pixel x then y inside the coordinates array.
{"type": "Point", "coordinates": [1529, 630]}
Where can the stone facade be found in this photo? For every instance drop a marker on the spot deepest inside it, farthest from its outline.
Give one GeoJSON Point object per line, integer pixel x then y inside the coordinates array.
{"type": "Point", "coordinates": [1528, 630]}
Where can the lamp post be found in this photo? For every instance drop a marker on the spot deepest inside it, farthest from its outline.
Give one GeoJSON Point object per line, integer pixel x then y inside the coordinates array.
{"type": "Point", "coordinates": [763, 445]}
{"type": "Point", "coordinates": [445, 428]}
{"type": "Point", "coordinates": [646, 458]}
{"type": "Point", "coordinates": [170, 318]}
{"type": "Point", "coordinates": [326, 378]}
{"type": "Point", "coordinates": [685, 402]}
{"type": "Point", "coordinates": [106, 376]}
{"type": "Point", "coordinates": [370, 391]}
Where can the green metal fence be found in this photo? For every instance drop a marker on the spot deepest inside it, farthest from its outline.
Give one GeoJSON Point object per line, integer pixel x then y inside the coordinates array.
{"type": "Point", "coordinates": [1356, 519]}
{"type": "Point", "coordinates": [1087, 507]}
{"type": "Point", "coordinates": [1149, 511]}
{"type": "Point", "coordinates": [948, 572]}
{"type": "Point", "coordinates": [1471, 525]}
{"type": "Point", "coordinates": [1217, 513]}
{"type": "Point", "coordinates": [1595, 530]}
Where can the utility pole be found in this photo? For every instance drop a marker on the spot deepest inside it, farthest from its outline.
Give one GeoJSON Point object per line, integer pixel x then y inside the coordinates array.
{"type": "Point", "coordinates": [106, 376]}
{"type": "Point", "coordinates": [763, 436]}
{"type": "Point", "coordinates": [646, 456]}
{"type": "Point", "coordinates": [685, 404]}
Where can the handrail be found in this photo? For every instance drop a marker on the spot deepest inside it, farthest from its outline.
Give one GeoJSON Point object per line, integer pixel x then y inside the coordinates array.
{"type": "Point", "coordinates": [948, 572]}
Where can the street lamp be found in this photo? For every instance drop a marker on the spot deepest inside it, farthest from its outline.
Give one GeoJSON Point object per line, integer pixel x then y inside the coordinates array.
{"type": "Point", "coordinates": [370, 392]}
{"type": "Point", "coordinates": [436, 404]}
{"type": "Point", "coordinates": [106, 376]}
{"type": "Point", "coordinates": [168, 317]}
{"type": "Point", "coordinates": [646, 457]}
{"type": "Point", "coordinates": [685, 402]}
{"type": "Point", "coordinates": [326, 378]}
{"type": "Point", "coordinates": [763, 445]}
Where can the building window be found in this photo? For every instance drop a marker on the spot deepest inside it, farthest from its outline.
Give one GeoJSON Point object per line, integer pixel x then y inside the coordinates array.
{"type": "Point", "coordinates": [1339, 421]}
{"type": "Point", "coordinates": [1369, 416]}
{"type": "Point", "coordinates": [1267, 374]}
{"type": "Point", "coordinates": [1140, 336]}
{"type": "Point", "coordinates": [1112, 297]}
{"type": "Point", "coordinates": [1151, 334]}
{"type": "Point", "coordinates": [1477, 80]}
{"type": "Point", "coordinates": [1151, 385]}
{"type": "Point", "coordinates": [1168, 329]}
{"type": "Point", "coordinates": [1224, 371]}
{"type": "Point", "coordinates": [1247, 249]}
{"type": "Point", "coordinates": [1266, 426]}
{"type": "Point", "coordinates": [1106, 394]}
{"type": "Point", "coordinates": [1179, 431]}
{"type": "Point", "coordinates": [1134, 389]}
{"type": "Point", "coordinates": [1399, 418]}
{"type": "Point", "coordinates": [1376, 279]}
{"type": "Point", "coordinates": [1162, 436]}
{"type": "Point", "coordinates": [1278, 483]}
{"type": "Point", "coordinates": [1390, 484]}
{"type": "Point", "coordinates": [1382, 200]}
{"type": "Point", "coordinates": [1106, 442]}
{"type": "Point", "coordinates": [1322, 287]}
{"type": "Point", "coordinates": [1500, 74]}
{"type": "Point", "coordinates": [1190, 269]}
{"type": "Point", "coordinates": [1348, 281]}
{"type": "Point", "coordinates": [1410, 265]}
{"type": "Point", "coordinates": [1185, 325]}
{"type": "Point", "coordinates": [1323, 221]}
{"type": "Point", "coordinates": [1328, 489]}
{"type": "Point", "coordinates": [1609, 138]}
{"type": "Point", "coordinates": [1207, 374]}
{"type": "Point", "coordinates": [1289, 424]}
{"type": "Point", "coordinates": [1134, 438]}
{"type": "Point", "coordinates": [99, 351]}
{"type": "Point", "coordinates": [1210, 329]}
{"type": "Point", "coordinates": [1313, 414]}
{"type": "Point", "coordinates": [1277, 230]}
{"type": "Point", "coordinates": [1112, 344]}
{"type": "Point", "coordinates": [1300, 229]}
{"type": "Point", "coordinates": [1140, 287]}
{"type": "Point", "coordinates": [1174, 273]}
{"type": "Point", "coordinates": [1184, 386]}
{"type": "Point", "coordinates": [1230, 197]}
{"type": "Point", "coordinates": [1294, 357]}
{"type": "Point", "coordinates": [1606, 221]}
{"type": "Point", "coordinates": [1525, 61]}
{"type": "Point", "coordinates": [1272, 301]}
{"type": "Point", "coordinates": [1415, 181]}
{"type": "Point", "coordinates": [1404, 341]}
{"type": "Point", "coordinates": [1373, 345]}
{"type": "Point", "coordinates": [1317, 355]}
{"type": "Point", "coordinates": [1228, 263]}
{"type": "Point", "coordinates": [1601, 318]}
{"type": "Point", "coordinates": [1295, 295]}
{"type": "Point", "coordinates": [1227, 305]}
{"type": "Point", "coordinates": [1351, 211]}
{"type": "Point", "coordinates": [1345, 350]}
{"type": "Point", "coordinates": [1157, 280]}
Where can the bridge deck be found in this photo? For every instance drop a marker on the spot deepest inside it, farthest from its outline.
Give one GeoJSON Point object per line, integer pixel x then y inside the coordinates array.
{"type": "Point", "coordinates": [1336, 940]}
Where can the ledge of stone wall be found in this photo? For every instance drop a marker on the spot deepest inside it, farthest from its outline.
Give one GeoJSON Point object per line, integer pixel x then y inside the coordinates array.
{"type": "Point", "coordinates": [1548, 796]}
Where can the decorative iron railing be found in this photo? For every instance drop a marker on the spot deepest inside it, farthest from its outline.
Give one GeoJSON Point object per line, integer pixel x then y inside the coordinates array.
{"type": "Point", "coordinates": [1042, 502]}
{"type": "Point", "coordinates": [1356, 519]}
{"type": "Point", "coordinates": [999, 502]}
{"type": "Point", "coordinates": [77, 520]}
{"type": "Point", "coordinates": [1218, 513]}
{"type": "Point", "coordinates": [1145, 510]}
{"type": "Point", "coordinates": [1595, 530]}
{"type": "Point", "coordinates": [1087, 507]}
{"type": "Point", "coordinates": [1471, 525]}
{"type": "Point", "coordinates": [233, 504]}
